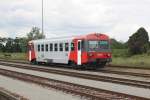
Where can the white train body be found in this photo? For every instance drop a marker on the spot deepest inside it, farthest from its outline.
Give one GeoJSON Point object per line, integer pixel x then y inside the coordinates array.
{"type": "Point", "coordinates": [55, 56]}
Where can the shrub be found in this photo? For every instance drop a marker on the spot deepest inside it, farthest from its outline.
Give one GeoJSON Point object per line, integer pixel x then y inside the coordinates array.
{"type": "Point", "coordinates": [138, 42]}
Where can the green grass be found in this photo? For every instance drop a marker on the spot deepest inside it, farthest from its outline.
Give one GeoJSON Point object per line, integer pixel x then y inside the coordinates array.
{"type": "Point", "coordinates": [120, 53]}
{"type": "Point", "coordinates": [13, 56]}
{"type": "Point", "coordinates": [120, 57]}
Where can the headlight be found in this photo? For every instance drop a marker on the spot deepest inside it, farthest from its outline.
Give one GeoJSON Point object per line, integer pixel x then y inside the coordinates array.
{"type": "Point", "coordinates": [90, 54]}
{"type": "Point", "coordinates": [108, 54]}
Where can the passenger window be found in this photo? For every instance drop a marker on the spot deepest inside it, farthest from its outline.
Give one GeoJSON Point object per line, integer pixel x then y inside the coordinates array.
{"type": "Point", "coordinates": [46, 47]}
{"type": "Point", "coordinates": [79, 45]}
{"type": "Point", "coordinates": [38, 47]}
{"type": "Point", "coordinates": [51, 47]}
{"type": "Point", "coordinates": [56, 47]}
{"type": "Point", "coordinates": [42, 47]}
{"type": "Point", "coordinates": [72, 46]}
{"type": "Point", "coordinates": [66, 47]}
{"type": "Point", "coordinates": [82, 45]}
{"type": "Point", "coordinates": [61, 47]}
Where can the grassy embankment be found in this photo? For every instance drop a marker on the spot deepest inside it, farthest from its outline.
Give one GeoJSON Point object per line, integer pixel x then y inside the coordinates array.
{"type": "Point", "coordinates": [13, 56]}
{"type": "Point", "coordinates": [119, 58]}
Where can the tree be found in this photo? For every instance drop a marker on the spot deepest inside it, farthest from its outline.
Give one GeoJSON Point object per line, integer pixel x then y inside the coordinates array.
{"type": "Point", "coordinates": [23, 44]}
{"type": "Point", "coordinates": [117, 45]}
{"type": "Point", "coordinates": [2, 44]}
{"type": "Point", "coordinates": [16, 45]}
{"type": "Point", "coordinates": [35, 34]}
{"type": "Point", "coordinates": [138, 43]}
{"type": "Point", "coordinates": [9, 45]}
{"type": "Point", "coordinates": [1, 47]}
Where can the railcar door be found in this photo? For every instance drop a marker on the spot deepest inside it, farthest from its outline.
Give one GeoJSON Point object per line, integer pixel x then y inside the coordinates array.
{"type": "Point", "coordinates": [30, 52]}
{"type": "Point", "coordinates": [79, 52]}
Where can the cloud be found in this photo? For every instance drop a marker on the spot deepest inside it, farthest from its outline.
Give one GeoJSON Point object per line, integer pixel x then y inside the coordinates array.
{"type": "Point", "coordinates": [3, 34]}
{"type": "Point", "coordinates": [117, 18]}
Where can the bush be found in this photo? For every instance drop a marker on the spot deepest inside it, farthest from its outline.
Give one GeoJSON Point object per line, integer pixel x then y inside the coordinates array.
{"type": "Point", "coordinates": [148, 52]}
{"type": "Point", "coordinates": [120, 53]}
{"type": "Point", "coordinates": [138, 42]}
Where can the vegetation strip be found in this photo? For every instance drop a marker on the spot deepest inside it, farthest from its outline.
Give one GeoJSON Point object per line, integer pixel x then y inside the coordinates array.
{"type": "Point", "coordinates": [86, 91]}
{"type": "Point", "coordinates": [134, 83]}
{"type": "Point", "coordinates": [128, 67]}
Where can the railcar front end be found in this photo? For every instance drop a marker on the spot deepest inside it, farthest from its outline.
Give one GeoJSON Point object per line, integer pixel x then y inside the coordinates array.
{"type": "Point", "coordinates": [92, 50]}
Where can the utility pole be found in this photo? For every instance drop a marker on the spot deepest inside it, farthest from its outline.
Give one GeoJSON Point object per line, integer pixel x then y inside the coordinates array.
{"type": "Point", "coordinates": [42, 18]}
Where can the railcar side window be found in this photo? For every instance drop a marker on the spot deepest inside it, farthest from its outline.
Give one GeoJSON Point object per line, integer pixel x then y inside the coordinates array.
{"type": "Point", "coordinates": [72, 46]}
{"type": "Point", "coordinates": [42, 47]}
{"type": "Point", "coordinates": [46, 47]}
{"type": "Point", "coordinates": [38, 47]}
{"type": "Point", "coordinates": [51, 47]}
{"type": "Point", "coordinates": [79, 45]}
{"type": "Point", "coordinates": [82, 45]}
{"type": "Point", "coordinates": [61, 47]}
{"type": "Point", "coordinates": [66, 46]}
{"type": "Point", "coordinates": [56, 47]}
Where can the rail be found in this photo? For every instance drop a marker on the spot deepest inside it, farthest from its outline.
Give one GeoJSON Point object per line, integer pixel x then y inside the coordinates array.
{"type": "Point", "coordinates": [6, 95]}
{"type": "Point", "coordinates": [86, 91]}
{"type": "Point", "coordinates": [131, 82]}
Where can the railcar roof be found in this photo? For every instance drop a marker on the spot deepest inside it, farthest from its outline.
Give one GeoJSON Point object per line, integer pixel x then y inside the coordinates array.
{"type": "Point", "coordinates": [63, 38]}
{"type": "Point", "coordinates": [53, 39]}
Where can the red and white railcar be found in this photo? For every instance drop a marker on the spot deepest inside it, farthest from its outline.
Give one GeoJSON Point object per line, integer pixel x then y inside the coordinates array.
{"type": "Point", "coordinates": [91, 49]}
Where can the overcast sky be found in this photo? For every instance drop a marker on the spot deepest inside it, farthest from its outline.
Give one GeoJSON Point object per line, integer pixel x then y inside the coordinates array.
{"type": "Point", "coordinates": [116, 18]}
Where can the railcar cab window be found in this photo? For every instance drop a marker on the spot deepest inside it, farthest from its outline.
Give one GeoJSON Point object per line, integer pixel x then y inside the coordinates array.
{"type": "Point", "coordinates": [103, 44]}
{"type": "Point", "coordinates": [98, 45]}
{"type": "Point", "coordinates": [93, 45]}
{"type": "Point", "coordinates": [61, 47]}
{"type": "Point", "coordinates": [56, 47]}
{"type": "Point", "coordinates": [46, 47]}
{"type": "Point", "coordinates": [72, 46]}
{"type": "Point", "coordinates": [66, 46]}
{"type": "Point", "coordinates": [51, 47]}
{"type": "Point", "coordinates": [42, 47]}
{"type": "Point", "coordinates": [38, 47]}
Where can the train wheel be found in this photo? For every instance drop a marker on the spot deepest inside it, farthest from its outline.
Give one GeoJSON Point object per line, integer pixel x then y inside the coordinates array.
{"type": "Point", "coordinates": [102, 65]}
{"type": "Point", "coordinates": [34, 62]}
{"type": "Point", "coordinates": [74, 65]}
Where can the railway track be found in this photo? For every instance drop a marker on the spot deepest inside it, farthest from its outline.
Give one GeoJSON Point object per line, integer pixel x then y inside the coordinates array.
{"type": "Point", "coordinates": [101, 70]}
{"type": "Point", "coordinates": [109, 65]}
{"type": "Point", "coordinates": [7, 95]}
{"type": "Point", "coordinates": [135, 83]}
{"type": "Point", "coordinates": [125, 73]}
{"type": "Point", "coordinates": [85, 91]}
